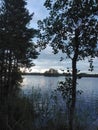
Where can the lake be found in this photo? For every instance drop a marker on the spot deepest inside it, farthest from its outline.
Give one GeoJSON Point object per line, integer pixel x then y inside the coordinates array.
{"type": "Point", "coordinates": [89, 86]}
{"type": "Point", "coordinates": [86, 103]}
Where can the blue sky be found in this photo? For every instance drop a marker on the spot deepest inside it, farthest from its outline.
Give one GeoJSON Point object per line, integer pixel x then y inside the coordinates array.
{"type": "Point", "coordinates": [46, 59]}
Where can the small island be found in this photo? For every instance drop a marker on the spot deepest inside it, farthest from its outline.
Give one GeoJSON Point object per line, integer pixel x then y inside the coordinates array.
{"type": "Point", "coordinates": [51, 72]}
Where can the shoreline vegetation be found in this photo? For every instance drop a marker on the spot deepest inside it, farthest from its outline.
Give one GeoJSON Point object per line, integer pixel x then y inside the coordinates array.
{"type": "Point", "coordinates": [63, 74]}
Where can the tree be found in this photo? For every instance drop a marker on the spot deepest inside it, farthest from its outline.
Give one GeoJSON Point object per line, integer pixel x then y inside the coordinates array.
{"type": "Point", "coordinates": [16, 46]}
{"type": "Point", "coordinates": [72, 27]}
{"type": "Point", "coordinates": [16, 50]}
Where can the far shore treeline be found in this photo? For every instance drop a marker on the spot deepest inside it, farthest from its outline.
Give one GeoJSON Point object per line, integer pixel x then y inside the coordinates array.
{"type": "Point", "coordinates": [61, 74]}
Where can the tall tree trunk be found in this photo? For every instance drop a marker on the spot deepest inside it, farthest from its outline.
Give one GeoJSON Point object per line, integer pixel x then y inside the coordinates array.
{"type": "Point", "coordinates": [73, 100]}
{"type": "Point", "coordinates": [2, 68]}
{"type": "Point", "coordinates": [9, 70]}
{"type": "Point", "coordinates": [6, 67]}
{"type": "Point", "coordinates": [74, 81]}
{"type": "Point", "coordinates": [2, 74]}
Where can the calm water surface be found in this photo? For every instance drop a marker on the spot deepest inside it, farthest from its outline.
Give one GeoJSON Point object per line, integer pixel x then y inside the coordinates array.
{"type": "Point", "coordinates": [89, 86]}
{"type": "Point", "coordinates": [43, 82]}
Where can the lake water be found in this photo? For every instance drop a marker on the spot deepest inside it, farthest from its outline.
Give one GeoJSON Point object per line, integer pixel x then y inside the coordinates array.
{"type": "Point", "coordinates": [89, 86]}
{"type": "Point", "coordinates": [87, 101]}
{"type": "Point", "coordinates": [43, 82]}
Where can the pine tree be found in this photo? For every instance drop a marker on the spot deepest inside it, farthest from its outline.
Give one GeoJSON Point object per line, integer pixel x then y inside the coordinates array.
{"type": "Point", "coordinates": [16, 46]}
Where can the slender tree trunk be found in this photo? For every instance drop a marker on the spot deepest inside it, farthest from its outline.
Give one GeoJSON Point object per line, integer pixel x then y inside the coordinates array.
{"type": "Point", "coordinates": [9, 70]}
{"type": "Point", "coordinates": [6, 67]}
{"type": "Point", "coordinates": [2, 74]}
{"type": "Point", "coordinates": [2, 68]}
{"type": "Point", "coordinates": [73, 100]}
{"type": "Point", "coordinates": [74, 81]}
{"type": "Point", "coordinates": [1, 71]}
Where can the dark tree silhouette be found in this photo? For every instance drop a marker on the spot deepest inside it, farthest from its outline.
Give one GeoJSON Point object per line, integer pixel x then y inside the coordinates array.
{"type": "Point", "coordinates": [16, 46]}
{"type": "Point", "coordinates": [16, 51]}
{"type": "Point", "coordinates": [72, 27]}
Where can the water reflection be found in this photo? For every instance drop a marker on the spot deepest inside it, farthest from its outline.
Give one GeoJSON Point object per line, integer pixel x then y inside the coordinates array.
{"type": "Point", "coordinates": [45, 83]}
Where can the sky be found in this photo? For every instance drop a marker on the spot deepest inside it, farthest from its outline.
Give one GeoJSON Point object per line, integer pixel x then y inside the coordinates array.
{"type": "Point", "coordinates": [47, 59]}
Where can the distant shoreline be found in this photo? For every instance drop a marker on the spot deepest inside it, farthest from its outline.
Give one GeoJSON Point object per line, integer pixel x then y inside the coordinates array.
{"type": "Point", "coordinates": [56, 75]}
